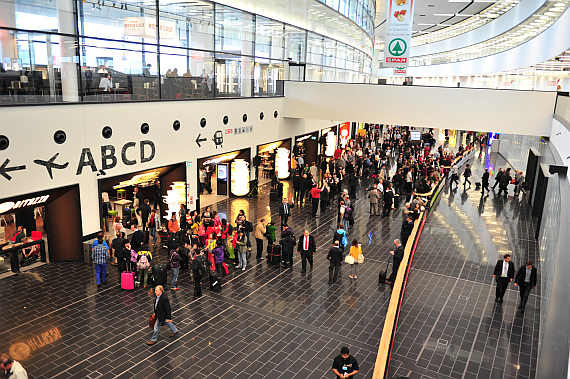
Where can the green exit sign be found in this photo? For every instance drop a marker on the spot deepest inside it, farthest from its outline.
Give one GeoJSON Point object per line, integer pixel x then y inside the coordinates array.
{"type": "Point", "coordinates": [188, 164]}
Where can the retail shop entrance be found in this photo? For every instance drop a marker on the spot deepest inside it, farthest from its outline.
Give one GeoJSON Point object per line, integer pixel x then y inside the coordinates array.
{"type": "Point", "coordinates": [223, 175]}
{"type": "Point", "coordinates": [120, 196]}
{"type": "Point", "coordinates": [275, 158]}
{"type": "Point", "coordinates": [307, 146]}
{"type": "Point", "coordinates": [53, 218]}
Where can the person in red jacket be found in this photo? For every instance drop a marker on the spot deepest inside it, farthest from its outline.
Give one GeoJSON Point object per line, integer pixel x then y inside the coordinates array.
{"type": "Point", "coordinates": [316, 194]}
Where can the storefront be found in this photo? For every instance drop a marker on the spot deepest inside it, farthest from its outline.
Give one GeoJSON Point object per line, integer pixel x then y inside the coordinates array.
{"type": "Point", "coordinates": [275, 157]}
{"type": "Point", "coordinates": [164, 187]}
{"type": "Point", "coordinates": [53, 218]}
{"type": "Point", "coordinates": [308, 145]}
{"type": "Point", "coordinates": [227, 174]}
{"type": "Point", "coordinates": [328, 141]}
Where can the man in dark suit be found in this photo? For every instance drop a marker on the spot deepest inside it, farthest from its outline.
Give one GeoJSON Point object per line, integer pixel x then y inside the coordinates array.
{"type": "Point", "coordinates": [388, 201]}
{"type": "Point", "coordinates": [118, 246]}
{"type": "Point", "coordinates": [163, 315]}
{"type": "Point", "coordinates": [306, 247]}
{"type": "Point", "coordinates": [504, 274]}
{"type": "Point", "coordinates": [137, 238]}
{"type": "Point", "coordinates": [525, 280]}
{"type": "Point", "coordinates": [297, 186]}
{"type": "Point", "coordinates": [144, 210]}
{"type": "Point", "coordinates": [335, 258]}
{"type": "Point", "coordinates": [407, 227]}
{"type": "Point", "coordinates": [398, 256]}
{"type": "Point", "coordinates": [284, 212]}
{"type": "Point", "coordinates": [485, 182]}
{"type": "Point", "coordinates": [305, 185]}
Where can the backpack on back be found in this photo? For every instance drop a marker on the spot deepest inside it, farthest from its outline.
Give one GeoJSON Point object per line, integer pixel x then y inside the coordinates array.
{"type": "Point", "coordinates": [143, 262]}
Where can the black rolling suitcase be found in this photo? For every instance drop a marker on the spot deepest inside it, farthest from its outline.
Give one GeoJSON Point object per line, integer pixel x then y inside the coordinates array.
{"type": "Point", "coordinates": [126, 216]}
{"type": "Point", "coordinates": [383, 274]}
{"type": "Point", "coordinates": [273, 195]}
{"type": "Point", "coordinates": [396, 201]}
{"type": "Point", "coordinates": [215, 282]}
{"type": "Point", "coordinates": [273, 254]}
{"type": "Point", "coordinates": [159, 274]}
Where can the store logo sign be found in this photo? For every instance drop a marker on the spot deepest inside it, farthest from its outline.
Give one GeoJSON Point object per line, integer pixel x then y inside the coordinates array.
{"type": "Point", "coordinates": [10, 205]}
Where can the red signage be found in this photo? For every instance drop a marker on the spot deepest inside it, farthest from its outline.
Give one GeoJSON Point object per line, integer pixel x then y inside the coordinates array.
{"type": "Point", "coordinates": [396, 71]}
{"type": "Point", "coordinates": [396, 60]}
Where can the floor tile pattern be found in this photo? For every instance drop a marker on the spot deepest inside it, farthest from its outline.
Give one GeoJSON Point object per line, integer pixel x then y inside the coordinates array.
{"type": "Point", "coordinates": [449, 325]}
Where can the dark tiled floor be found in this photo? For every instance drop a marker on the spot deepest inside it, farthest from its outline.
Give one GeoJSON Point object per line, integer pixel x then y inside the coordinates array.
{"type": "Point", "coordinates": [266, 322]}
{"type": "Point", "coordinates": [449, 325]}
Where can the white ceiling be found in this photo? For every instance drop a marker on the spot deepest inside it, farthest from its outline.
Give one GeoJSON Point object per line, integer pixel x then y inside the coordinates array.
{"type": "Point", "coordinates": [432, 15]}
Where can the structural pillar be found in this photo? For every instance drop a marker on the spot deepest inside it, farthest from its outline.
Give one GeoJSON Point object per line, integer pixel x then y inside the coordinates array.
{"type": "Point", "coordinates": [68, 51]}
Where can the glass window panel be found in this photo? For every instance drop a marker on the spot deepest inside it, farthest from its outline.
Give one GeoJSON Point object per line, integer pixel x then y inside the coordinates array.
{"type": "Point", "coordinates": [328, 74]}
{"type": "Point", "coordinates": [315, 49]}
{"type": "Point", "coordinates": [131, 22]}
{"type": "Point", "coordinates": [194, 22]}
{"type": "Point", "coordinates": [269, 38]}
{"type": "Point", "coordinates": [266, 73]}
{"type": "Point", "coordinates": [295, 42]}
{"type": "Point", "coordinates": [49, 15]}
{"type": "Point", "coordinates": [234, 31]}
{"type": "Point", "coordinates": [329, 52]}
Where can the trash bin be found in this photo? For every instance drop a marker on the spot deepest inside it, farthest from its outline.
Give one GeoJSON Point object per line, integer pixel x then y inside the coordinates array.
{"type": "Point", "coordinates": [87, 247]}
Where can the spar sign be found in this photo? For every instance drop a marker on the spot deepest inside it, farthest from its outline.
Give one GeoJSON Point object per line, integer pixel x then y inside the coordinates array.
{"type": "Point", "coordinates": [398, 71]}
{"type": "Point", "coordinates": [400, 20]}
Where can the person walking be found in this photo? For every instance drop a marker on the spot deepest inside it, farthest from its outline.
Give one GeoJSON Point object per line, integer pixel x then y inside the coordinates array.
{"type": "Point", "coordinates": [218, 253]}
{"type": "Point", "coordinates": [118, 246]}
{"type": "Point", "coordinates": [325, 196]}
{"type": "Point", "coordinates": [504, 273]}
{"type": "Point", "coordinates": [454, 177]}
{"type": "Point", "coordinates": [175, 264]}
{"type": "Point", "coordinates": [355, 251]}
{"type": "Point", "coordinates": [143, 264]}
{"type": "Point", "coordinates": [345, 365]}
{"type": "Point", "coordinates": [525, 280]}
{"type": "Point", "coordinates": [284, 212]}
{"type": "Point", "coordinates": [306, 247]}
{"type": "Point", "coordinates": [398, 256]}
{"type": "Point", "coordinates": [163, 314]}
{"type": "Point", "coordinates": [335, 258]}
{"type": "Point", "coordinates": [485, 182]}
{"type": "Point", "coordinates": [519, 180]}
{"type": "Point", "coordinates": [316, 195]}
{"type": "Point", "coordinates": [373, 197]}
{"type": "Point", "coordinates": [466, 175]}
{"type": "Point", "coordinates": [153, 223]}
{"type": "Point", "coordinates": [260, 231]}
{"type": "Point", "coordinates": [242, 250]}
{"type": "Point", "coordinates": [288, 246]}
{"type": "Point", "coordinates": [12, 369]}
{"type": "Point", "coordinates": [297, 179]}
{"type": "Point", "coordinates": [144, 211]}
{"type": "Point", "coordinates": [497, 178]}
{"type": "Point", "coordinates": [100, 253]}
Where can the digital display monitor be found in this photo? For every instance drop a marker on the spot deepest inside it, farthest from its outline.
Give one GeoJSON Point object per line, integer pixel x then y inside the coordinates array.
{"type": "Point", "coordinates": [415, 135]}
{"type": "Point", "coordinates": [222, 172]}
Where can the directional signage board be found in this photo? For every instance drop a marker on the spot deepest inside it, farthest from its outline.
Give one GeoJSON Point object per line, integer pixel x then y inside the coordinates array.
{"type": "Point", "coordinates": [400, 20]}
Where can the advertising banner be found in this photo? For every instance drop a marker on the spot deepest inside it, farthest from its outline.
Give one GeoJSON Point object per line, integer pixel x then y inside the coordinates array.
{"type": "Point", "coordinates": [344, 134]}
{"type": "Point", "coordinates": [400, 20]}
{"type": "Point", "coordinates": [145, 27]}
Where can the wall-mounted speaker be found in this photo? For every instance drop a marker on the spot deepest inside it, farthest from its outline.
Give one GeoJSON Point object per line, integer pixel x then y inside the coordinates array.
{"type": "Point", "coordinates": [203, 122]}
{"type": "Point", "coordinates": [145, 128]}
{"type": "Point", "coordinates": [59, 137]}
{"type": "Point", "coordinates": [107, 132]}
{"type": "Point", "coordinates": [4, 142]}
{"type": "Point", "coordinates": [261, 115]}
{"type": "Point", "coordinates": [176, 125]}
{"type": "Point", "coordinates": [226, 119]}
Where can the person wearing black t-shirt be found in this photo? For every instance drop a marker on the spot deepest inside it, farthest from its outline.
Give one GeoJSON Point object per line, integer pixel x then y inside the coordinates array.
{"type": "Point", "coordinates": [344, 365]}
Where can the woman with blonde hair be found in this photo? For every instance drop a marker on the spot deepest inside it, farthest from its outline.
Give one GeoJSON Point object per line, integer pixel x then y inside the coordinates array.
{"type": "Point", "coordinates": [355, 251]}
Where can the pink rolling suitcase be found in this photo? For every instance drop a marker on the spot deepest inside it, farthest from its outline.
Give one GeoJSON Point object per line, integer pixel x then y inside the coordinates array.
{"type": "Point", "coordinates": [128, 280]}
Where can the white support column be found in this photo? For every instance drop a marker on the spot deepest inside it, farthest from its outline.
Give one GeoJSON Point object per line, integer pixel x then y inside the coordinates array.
{"type": "Point", "coordinates": [8, 47]}
{"type": "Point", "coordinates": [68, 51]}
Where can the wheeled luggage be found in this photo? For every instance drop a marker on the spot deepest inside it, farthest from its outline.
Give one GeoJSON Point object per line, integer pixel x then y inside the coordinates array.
{"type": "Point", "coordinates": [273, 254]}
{"type": "Point", "coordinates": [215, 281]}
{"type": "Point", "coordinates": [183, 252]}
{"type": "Point", "coordinates": [396, 201]}
{"type": "Point", "coordinates": [274, 195]}
{"type": "Point", "coordinates": [159, 273]}
{"type": "Point", "coordinates": [128, 280]}
{"type": "Point", "coordinates": [383, 274]}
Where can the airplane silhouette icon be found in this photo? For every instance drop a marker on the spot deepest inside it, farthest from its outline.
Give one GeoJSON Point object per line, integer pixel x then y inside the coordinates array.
{"type": "Point", "coordinates": [49, 164]}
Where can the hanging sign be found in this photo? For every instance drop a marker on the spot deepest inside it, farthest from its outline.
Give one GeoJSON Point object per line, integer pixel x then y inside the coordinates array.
{"type": "Point", "coordinates": [398, 33]}
{"type": "Point", "coordinates": [145, 27]}
{"type": "Point", "coordinates": [400, 71]}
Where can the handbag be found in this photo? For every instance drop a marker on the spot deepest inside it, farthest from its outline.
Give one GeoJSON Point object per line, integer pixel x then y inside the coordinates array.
{"type": "Point", "coordinates": [152, 321]}
{"type": "Point", "coordinates": [360, 259]}
{"type": "Point", "coordinates": [349, 259]}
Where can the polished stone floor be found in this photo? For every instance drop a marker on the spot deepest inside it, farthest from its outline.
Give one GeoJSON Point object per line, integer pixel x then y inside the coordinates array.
{"type": "Point", "coordinates": [449, 325]}
{"type": "Point", "coordinates": [273, 323]}
{"type": "Point", "coordinates": [266, 322]}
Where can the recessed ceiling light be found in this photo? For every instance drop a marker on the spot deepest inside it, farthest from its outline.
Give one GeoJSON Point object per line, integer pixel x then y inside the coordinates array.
{"type": "Point", "coordinates": [444, 14]}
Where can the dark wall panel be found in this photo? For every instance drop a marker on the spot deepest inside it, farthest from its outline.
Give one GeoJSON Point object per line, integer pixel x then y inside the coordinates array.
{"type": "Point", "coordinates": [64, 227]}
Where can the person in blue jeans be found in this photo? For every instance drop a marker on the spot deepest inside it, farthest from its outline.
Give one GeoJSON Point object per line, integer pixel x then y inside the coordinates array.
{"type": "Point", "coordinates": [99, 254]}
{"type": "Point", "coordinates": [175, 263]}
{"type": "Point", "coordinates": [153, 223]}
{"type": "Point", "coordinates": [163, 314]}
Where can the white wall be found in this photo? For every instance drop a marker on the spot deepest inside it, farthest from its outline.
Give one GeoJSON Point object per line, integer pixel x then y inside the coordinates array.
{"type": "Point", "coordinates": [515, 112]}
{"type": "Point", "coordinates": [31, 129]}
{"type": "Point", "coordinates": [560, 138]}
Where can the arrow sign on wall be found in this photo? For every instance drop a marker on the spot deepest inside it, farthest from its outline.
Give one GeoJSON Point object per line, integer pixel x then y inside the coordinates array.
{"type": "Point", "coordinates": [198, 140]}
{"type": "Point", "coordinates": [4, 169]}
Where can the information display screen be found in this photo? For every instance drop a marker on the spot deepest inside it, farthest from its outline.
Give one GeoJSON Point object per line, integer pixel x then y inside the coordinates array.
{"type": "Point", "coordinates": [415, 135]}
{"type": "Point", "coordinates": [222, 172]}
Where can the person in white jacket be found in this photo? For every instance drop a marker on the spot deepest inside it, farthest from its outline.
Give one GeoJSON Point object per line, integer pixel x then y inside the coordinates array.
{"type": "Point", "coordinates": [12, 369]}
